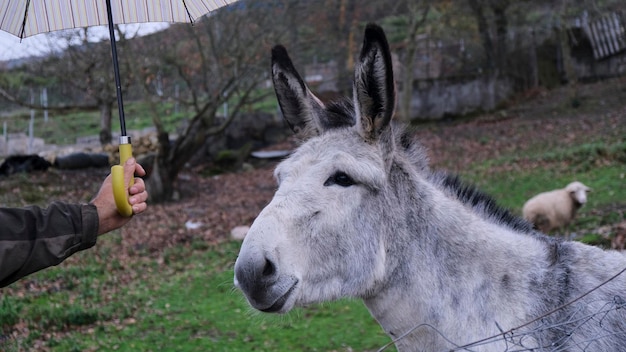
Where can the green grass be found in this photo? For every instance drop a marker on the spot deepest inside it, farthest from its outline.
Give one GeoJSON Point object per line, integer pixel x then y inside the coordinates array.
{"type": "Point", "coordinates": [190, 306]}
{"type": "Point", "coordinates": [10, 311]}
{"type": "Point", "coordinates": [64, 128]}
{"type": "Point", "coordinates": [608, 183]}
{"type": "Point", "coordinates": [577, 158]}
{"type": "Point", "coordinates": [599, 166]}
{"type": "Point", "coordinates": [60, 128]}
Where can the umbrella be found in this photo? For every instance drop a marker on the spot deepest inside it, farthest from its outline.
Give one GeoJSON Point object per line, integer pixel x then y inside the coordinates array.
{"type": "Point", "coordinates": [24, 18]}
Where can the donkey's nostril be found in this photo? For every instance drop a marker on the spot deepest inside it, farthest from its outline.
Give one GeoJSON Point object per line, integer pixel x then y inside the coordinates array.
{"type": "Point", "coordinates": [269, 268]}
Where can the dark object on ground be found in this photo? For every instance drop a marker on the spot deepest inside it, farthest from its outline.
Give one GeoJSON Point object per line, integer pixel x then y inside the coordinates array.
{"type": "Point", "coordinates": [23, 163]}
{"type": "Point", "coordinates": [81, 161]}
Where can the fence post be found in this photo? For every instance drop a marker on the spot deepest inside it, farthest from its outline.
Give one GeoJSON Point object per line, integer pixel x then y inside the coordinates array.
{"type": "Point", "coordinates": [31, 123]}
{"type": "Point", "coordinates": [534, 69]}
{"type": "Point", "coordinates": [44, 103]}
{"type": "Point", "coordinates": [6, 138]}
{"type": "Point", "coordinates": [176, 98]}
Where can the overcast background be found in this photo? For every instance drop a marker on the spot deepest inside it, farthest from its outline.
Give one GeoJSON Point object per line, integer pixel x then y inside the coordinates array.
{"type": "Point", "coordinates": [12, 48]}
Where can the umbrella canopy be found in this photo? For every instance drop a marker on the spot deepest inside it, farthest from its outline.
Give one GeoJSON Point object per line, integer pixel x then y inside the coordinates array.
{"type": "Point", "coordinates": [24, 18]}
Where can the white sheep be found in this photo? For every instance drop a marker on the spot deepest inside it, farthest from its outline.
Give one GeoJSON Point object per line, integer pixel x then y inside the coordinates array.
{"type": "Point", "coordinates": [554, 210]}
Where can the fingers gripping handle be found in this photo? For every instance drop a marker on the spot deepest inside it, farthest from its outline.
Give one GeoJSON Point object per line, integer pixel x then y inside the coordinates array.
{"type": "Point", "coordinates": [120, 190]}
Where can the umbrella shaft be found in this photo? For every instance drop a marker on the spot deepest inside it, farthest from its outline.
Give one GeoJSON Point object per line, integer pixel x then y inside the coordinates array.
{"type": "Point", "coordinates": [116, 70]}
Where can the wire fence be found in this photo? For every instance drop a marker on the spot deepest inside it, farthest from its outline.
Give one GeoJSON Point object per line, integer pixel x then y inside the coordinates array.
{"type": "Point", "coordinates": [564, 324]}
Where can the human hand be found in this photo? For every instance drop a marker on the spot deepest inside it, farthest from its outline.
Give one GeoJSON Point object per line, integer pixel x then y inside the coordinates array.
{"type": "Point", "coordinates": [109, 218]}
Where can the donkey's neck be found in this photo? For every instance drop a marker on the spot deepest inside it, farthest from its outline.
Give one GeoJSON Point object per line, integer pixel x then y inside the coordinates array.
{"type": "Point", "coordinates": [459, 278]}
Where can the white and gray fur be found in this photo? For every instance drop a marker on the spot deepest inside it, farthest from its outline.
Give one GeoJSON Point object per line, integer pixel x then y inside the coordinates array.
{"type": "Point", "coordinates": [554, 210]}
{"type": "Point", "coordinates": [359, 214]}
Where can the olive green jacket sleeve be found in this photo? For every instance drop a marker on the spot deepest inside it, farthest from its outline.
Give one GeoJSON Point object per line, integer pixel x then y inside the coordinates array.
{"type": "Point", "coordinates": [33, 238]}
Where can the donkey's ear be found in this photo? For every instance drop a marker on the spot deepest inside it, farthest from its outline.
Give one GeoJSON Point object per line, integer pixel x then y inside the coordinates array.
{"type": "Point", "coordinates": [374, 88]}
{"type": "Point", "coordinates": [301, 108]}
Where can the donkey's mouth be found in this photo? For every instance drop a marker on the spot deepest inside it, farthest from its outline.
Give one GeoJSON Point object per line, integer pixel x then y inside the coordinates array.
{"type": "Point", "coordinates": [280, 302]}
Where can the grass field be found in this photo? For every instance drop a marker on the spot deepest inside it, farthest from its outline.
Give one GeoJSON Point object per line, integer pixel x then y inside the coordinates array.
{"type": "Point", "coordinates": [182, 298]}
{"type": "Point", "coordinates": [189, 306]}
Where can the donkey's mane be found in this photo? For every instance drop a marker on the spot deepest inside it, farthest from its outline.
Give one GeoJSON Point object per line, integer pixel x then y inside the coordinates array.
{"type": "Point", "coordinates": [341, 111]}
{"type": "Point", "coordinates": [481, 203]}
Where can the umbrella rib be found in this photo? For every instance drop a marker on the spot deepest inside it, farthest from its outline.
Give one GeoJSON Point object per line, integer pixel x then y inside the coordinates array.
{"type": "Point", "coordinates": [191, 19]}
{"type": "Point", "coordinates": [45, 11]}
{"type": "Point", "coordinates": [123, 14]}
{"type": "Point", "coordinates": [147, 12]}
{"type": "Point", "coordinates": [24, 22]}
{"type": "Point", "coordinates": [171, 9]}
{"type": "Point", "coordinates": [98, 13]}
{"type": "Point", "coordinates": [72, 16]}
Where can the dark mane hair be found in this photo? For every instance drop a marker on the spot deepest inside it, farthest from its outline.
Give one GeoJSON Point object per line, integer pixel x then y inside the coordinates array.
{"type": "Point", "coordinates": [481, 202]}
{"type": "Point", "coordinates": [342, 113]}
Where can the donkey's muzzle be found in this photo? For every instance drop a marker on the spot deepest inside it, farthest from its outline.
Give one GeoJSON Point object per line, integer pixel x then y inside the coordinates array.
{"type": "Point", "coordinates": [259, 279]}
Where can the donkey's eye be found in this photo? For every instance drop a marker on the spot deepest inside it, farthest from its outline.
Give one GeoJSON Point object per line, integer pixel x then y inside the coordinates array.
{"type": "Point", "coordinates": [339, 178]}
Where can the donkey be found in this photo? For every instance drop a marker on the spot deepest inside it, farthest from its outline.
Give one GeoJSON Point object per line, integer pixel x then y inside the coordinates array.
{"type": "Point", "coordinates": [358, 213]}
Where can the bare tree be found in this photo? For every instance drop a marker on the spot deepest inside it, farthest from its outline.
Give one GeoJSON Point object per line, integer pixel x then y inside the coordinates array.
{"type": "Point", "coordinates": [221, 59]}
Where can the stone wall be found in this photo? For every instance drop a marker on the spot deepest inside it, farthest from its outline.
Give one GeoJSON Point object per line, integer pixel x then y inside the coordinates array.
{"type": "Point", "coordinates": [435, 99]}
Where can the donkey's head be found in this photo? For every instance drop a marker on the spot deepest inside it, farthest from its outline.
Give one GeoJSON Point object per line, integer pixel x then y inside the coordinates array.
{"type": "Point", "coordinates": [320, 237]}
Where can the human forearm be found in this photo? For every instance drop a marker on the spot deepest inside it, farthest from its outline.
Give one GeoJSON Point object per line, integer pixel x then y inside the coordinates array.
{"type": "Point", "coordinates": [34, 238]}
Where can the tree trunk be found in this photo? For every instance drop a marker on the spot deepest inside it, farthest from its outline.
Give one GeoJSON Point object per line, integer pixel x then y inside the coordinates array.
{"type": "Point", "coordinates": [568, 73]}
{"type": "Point", "coordinates": [172, 157]}
{"type": "Point", "coordinates": [105, 123]}
{"type": "Point", "coordinates": [160, 181]}
{"type": "Point", "coordinates": [534, 67]}
{"type": "Point", "coordinates": [345, 63]}
{"type": "Point", "coordinates": [160, 184]}
{"type": "Point", "coordinates": [483, 28]}
{"type": "Point", "coordinates": [407, 86]}
{"type": "Point", "coordinates": [409, 59]}
{"type": "Point", "coordinates": [501, 23]}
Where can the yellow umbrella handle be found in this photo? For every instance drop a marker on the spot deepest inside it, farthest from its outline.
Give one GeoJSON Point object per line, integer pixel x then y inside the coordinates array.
{"type": "Point", "coordinates": [120, 191]}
